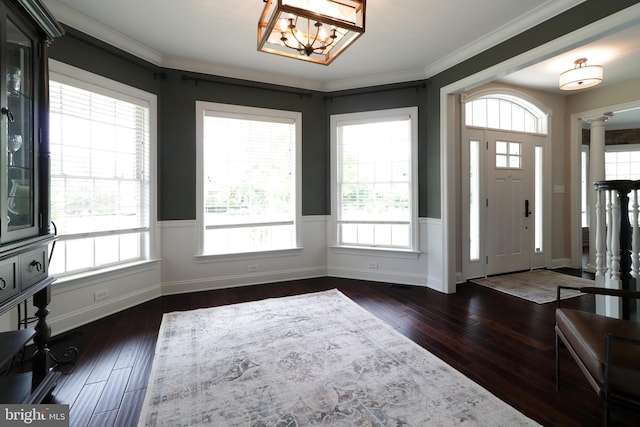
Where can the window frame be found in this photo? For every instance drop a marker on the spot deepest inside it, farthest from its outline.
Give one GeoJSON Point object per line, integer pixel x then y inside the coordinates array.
{"type": "Point", "coordinates": [620, 148]}
{"type": "Point", "coordinates": [481, 118]}
{"type": "Point", "coordinates": [246, 112]}
{"type": "Point", "coordinates": [73, 76]}
{"type": "Point", "coordinates": [376, 116]}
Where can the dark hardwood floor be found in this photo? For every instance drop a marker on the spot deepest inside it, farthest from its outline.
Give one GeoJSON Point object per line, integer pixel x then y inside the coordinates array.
{"type": "Point", "coordinates": [506, 344]}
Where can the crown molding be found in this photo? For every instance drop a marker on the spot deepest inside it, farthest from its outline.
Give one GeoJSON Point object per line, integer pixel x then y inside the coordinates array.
{"type": "Point", "coordinates": [101, 32]}
{"type": "Point", "coordinates": [260, 76]}
{"type": "Point", "coordinates": [519, 25]}
{"type": "Point", "coordinates": [375, 80]}
{"type": "Point", "coordinates": [120, 41]}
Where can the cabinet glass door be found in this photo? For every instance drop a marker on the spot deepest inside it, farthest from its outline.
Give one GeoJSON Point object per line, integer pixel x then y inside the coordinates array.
{"type": "Point", "coordinates": [19, 137]}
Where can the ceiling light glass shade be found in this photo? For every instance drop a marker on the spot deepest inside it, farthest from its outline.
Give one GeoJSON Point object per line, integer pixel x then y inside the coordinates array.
{"type": "Point", "coordinates": [582, 76]}
{"type": "Point", "coordinates": [311, 30]}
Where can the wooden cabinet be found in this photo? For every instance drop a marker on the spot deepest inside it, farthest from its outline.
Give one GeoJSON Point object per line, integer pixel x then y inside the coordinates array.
{"type": "Point", "coordinates": [26, 30]}
{"type": "Point", "coordinates": [9, 285]}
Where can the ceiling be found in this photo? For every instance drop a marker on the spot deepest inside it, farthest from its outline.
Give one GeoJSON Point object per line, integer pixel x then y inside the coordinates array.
{"type": "Point", "coordinates": [618, 53]}
{"type": "Point", "coordinates": [404, 41]}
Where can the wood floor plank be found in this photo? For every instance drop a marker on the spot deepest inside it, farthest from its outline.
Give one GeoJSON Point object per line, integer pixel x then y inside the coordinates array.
{"type": "Point", "coordinates": [82, 410]}
{"type": "Point", "coordinates": [142, 365]}
{"type": "Point", "coordinates": [114, 389]}
{"type": "Point", "coordinates": [105, 365]}
{"type": "Point", "coordinates": [129, 352]}
{"type": "Point", "coordinates": [130, 410]}
{"type": "Point", "coordinates": [105, 419]}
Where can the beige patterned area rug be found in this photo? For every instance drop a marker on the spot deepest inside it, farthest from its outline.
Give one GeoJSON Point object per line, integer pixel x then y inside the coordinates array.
{"type": "Point", "coordinates": [539, 286]}
{"type": "Point", "coordinates": [315, 359]}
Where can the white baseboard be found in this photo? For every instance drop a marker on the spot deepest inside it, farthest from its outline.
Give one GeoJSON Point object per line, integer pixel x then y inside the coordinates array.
{"type": "Point", "coordinates": [211, 283]}
{"type": "Point", "coordinates": [379, 276]}
{"type": "Point", "coordinates": [84, 315]}
{"type": "Point", "coordinates": [560, 263]}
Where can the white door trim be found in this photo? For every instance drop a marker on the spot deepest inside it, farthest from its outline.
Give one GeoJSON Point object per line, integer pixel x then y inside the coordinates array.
{"type": "Point", "coordinates": [471, 269]}
{"type": "Point", "coordinates": [479, 268]}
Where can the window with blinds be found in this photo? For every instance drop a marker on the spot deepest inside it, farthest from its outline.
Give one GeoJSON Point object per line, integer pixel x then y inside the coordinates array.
{"type": "Point", "coordinates": [249, 179]}
{"type": "Point", "coordinates": [374, 174]}
{"type": "Point", "coordinates": [100, 188]}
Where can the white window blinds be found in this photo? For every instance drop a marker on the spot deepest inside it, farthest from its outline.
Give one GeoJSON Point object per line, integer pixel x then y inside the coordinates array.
{"type": "Point", "coordinates": [98, 151]}
{"type": "Point", "coordinates": [100, 190]}
{"type": "Point", "coordinates": [249, 165]}
{"type": "Point", "coordinates": [249, 181]}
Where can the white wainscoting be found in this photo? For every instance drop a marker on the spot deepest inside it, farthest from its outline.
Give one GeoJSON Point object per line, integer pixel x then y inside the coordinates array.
{"type": "Point", "coordinates": [423, 268]}
{"type": "Point", "coordinates": [183, 271]}
{"type": "Point", "coordinates": [432, 240]}
{"type": "Point", "coordinates": [74, 302]}
{"type": "Point", "coordinates": [179, 270]}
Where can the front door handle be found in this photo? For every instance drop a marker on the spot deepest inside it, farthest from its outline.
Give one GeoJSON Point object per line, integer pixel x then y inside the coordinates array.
{"type": "Point", "coordinates": [527, 211]}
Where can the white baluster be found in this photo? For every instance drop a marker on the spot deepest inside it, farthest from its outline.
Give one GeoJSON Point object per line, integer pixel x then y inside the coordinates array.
{"type": "Point", "coordinates": [600, 237]}
{"type": "Point", "coordinates": [608, 207]}
{"type": "Point", "coordinates": [615, 236]}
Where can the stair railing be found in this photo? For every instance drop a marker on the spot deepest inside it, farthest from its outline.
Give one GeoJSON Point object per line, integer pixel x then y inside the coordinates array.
{"type": "Point", "coordinates": [617, 243]}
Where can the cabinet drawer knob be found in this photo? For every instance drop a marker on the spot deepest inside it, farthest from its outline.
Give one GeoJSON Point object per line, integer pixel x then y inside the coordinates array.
{"type": "Point", "coordinates": [7, 113]}
{"type": "Point", "coordinates": [3, 284]}
{"type": "Point", "coordinates": [35, 264]}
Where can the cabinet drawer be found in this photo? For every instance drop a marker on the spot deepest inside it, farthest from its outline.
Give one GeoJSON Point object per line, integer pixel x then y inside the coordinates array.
{"type": "Point", "coordinates": [8, 282]}
{"type": "Point", "coordinates": [33, 266]}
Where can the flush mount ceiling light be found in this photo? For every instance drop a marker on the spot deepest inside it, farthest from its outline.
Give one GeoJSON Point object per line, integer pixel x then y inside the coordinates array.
{"type": "Point", "coordinates": [581, 76]}
{"type": "Point", "coordinates": [311, 30]}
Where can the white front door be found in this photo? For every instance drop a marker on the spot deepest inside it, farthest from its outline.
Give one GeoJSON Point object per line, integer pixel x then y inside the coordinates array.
{"type": "Point", "coordinates": [506, 186]}
{"type": "Point", "coordinates": [502, 199]}
{"type": "Point", "coordinates": [510, 199]}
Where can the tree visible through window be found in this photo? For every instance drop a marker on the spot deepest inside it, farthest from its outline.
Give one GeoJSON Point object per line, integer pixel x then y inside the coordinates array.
{"type": "Point", "coordinates": [374, 179]}
{"type": "Point", "coordinates": [249, 179]}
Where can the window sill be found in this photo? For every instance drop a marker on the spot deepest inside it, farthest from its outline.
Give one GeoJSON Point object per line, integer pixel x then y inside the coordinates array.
{"type": "Point", "coordinates": [209, 258]}
{"type": "Point", "coordinates": [390, 253]}
{"type": "Point", "coordinates": [105, 273]}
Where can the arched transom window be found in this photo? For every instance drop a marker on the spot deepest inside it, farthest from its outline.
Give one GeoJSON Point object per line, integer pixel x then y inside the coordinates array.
{"type": "Point", "coordinates": [507, 113]}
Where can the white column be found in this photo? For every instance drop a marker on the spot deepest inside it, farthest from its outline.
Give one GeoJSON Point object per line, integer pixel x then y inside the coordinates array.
{"type": "Point", "coordinates": [596, 173]}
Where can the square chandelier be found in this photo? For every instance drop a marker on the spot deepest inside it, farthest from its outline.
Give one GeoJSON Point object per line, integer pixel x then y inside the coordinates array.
{"type": "Point", "coordinates": [310, 30]}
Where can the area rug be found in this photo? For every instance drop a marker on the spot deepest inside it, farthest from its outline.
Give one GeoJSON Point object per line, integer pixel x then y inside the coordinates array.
{"type": "Point", "coordinates": [314, 359]}
{"type": "Point", "coordinates": [539, 286]}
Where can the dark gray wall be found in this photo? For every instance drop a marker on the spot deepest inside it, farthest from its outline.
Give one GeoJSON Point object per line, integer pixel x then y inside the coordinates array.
{"type": "Point", "coordinates": [177, 96]}
{"type": "Point", "coordinates": [177, 93]}
{"type": "Point", "coordinates": [177, 136]}
{"type": "Point", "coordinates": [386, 97]}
